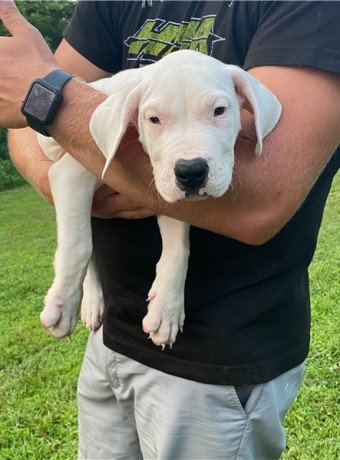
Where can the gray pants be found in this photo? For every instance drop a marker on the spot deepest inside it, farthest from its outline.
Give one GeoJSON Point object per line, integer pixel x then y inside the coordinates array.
{"type": "Point", "coordinates": [130, 411]}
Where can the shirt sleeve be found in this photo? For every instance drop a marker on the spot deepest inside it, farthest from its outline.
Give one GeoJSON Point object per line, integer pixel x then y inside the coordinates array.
{"type": "Point", "coordinates": [92, 32]}
{"type": "Point", "coordinates": [297, 34]}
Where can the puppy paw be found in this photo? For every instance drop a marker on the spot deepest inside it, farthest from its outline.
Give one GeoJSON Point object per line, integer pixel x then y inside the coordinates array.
{"type": "Point", "coordinates": [60, 313]}
{"type": "Point", "coordinates": [164, 319]}
{"type": "Point", "coordinates": [92, 308]}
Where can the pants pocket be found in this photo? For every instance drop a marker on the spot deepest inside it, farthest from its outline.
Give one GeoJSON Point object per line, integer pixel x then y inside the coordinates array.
{"type": "Point", "coordinates": [246, 397]}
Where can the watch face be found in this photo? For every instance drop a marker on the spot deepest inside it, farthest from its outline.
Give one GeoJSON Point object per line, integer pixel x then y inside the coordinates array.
{"type": "Point", "coordinates": [39, 102]}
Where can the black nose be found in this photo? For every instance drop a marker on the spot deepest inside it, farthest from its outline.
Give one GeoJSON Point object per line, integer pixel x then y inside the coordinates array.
{"type": "Point", "coordinates": [191, 175]}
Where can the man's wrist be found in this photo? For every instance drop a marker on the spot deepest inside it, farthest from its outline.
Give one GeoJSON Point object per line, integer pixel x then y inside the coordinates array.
{"type": "Point", "coordinates": [44, 99]}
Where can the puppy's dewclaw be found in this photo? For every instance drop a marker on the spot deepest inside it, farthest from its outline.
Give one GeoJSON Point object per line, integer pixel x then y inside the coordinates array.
{"type": "Point", "coordinates": [151, 295]}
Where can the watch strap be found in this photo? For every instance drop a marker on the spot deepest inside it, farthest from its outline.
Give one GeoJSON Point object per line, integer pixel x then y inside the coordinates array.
{"type": "Point", "coordinates": [58, 78]}
{"type": "Point", "coordinates": [37, 126]}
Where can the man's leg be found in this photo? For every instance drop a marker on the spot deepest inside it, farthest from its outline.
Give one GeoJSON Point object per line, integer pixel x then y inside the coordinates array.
{"type": "Point", "coordinates": [264, 436]}
{"type": "Point", "coordinates": [178, 419]}
{"type": "Point", "coordinates": [107, 427]}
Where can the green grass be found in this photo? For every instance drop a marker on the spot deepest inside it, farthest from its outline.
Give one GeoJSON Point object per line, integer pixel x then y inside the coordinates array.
{"type": "Point", "coordinates": [38, 374]}
{"type": "Point", "coordinates": [313, 424]}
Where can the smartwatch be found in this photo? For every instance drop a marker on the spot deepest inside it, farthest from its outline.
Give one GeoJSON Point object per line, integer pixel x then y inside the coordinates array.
{"type": "Point", "coordinates": [43, 100]}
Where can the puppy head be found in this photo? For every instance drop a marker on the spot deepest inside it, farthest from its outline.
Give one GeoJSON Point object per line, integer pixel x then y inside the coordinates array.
{"type": "Point", "coordinates": [188, 107]}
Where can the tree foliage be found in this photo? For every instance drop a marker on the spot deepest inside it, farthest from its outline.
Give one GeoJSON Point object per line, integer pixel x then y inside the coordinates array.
{"type": "Point", "coordinates": [3, 144]}
{"type": "Point", "coordinates": [48, 16]}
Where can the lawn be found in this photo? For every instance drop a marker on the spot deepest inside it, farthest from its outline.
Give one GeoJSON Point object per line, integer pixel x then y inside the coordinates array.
{"type": "Point", "coordinates": [38, 374]}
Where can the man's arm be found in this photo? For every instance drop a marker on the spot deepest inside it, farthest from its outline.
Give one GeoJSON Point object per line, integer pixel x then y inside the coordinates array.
{"type": "Point", "coordinates": [266, 192]}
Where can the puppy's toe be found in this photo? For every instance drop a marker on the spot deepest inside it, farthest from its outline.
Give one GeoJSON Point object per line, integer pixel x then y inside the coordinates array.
{"type": "Point", "coordinates": [92, 311]}
{"type": "Point", "coordinates": [63, 328]}
{"type": "Point", "coordinates": [51, 313]}
{"type": "Point", "coordinates": [162, 335]}
{"type": "Point", "coordinates": [92, 318]}
{"type": "Point", "coordinates": [151, 323]}
{"type": "Point", "coordinates": [173, 333]}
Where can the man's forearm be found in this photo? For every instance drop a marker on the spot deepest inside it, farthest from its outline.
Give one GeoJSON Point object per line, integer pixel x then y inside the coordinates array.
{"type": "Point", "coordinates": [264, 195]}
{"type": "Point", "coordinates": [29, 159]}
{"type": "Point", "coordinates": [71, 126]}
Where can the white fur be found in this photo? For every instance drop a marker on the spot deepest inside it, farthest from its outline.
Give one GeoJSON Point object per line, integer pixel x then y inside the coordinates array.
{"type": "Point", "coordinates": [182, 90]}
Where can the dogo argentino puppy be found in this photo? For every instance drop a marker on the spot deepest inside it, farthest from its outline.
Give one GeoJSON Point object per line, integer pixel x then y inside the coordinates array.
{"type": "Point", "coordinates": [186, 108]}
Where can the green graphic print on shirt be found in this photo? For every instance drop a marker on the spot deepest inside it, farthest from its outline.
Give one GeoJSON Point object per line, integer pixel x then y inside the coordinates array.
{"type": "Point", "coordinates": [158, 37]}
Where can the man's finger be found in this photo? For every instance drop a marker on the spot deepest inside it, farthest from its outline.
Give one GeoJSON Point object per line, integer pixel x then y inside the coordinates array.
{"type": "Point", "coordinates": [134, 215]}
{"type": "Point", "coordinates": [12, 19]}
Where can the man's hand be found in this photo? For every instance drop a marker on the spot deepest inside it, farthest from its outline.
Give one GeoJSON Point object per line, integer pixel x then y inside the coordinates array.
{"type": "Point", "coordinates": [23, 57]}
{"type": "Point", "coordinates": [109, 204]}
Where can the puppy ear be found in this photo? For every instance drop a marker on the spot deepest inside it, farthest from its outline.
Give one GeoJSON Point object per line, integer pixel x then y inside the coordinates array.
{"type": "Point", "coordinates": [112, 117]}
{"type": "Point", "coordinates": [258, 100]}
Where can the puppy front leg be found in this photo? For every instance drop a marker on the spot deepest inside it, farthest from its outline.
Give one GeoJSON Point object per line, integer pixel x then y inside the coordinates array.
{"type": "Point", "coordinates": [72, 188]}
{"type": "Point", "coordinates": [92, 306]}
{"type": "Point", "coordinates": [166, 308]}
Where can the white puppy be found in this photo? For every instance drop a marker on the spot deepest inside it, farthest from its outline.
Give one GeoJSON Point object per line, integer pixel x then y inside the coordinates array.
{"type": "Point", "coordinates": [186, 108]}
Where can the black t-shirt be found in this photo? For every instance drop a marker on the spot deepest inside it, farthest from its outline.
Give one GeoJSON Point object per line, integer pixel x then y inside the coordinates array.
{"type": "Point", "coordinates": [247, 307]}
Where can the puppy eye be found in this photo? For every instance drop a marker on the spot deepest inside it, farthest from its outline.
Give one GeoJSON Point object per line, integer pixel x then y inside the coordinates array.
{"type": "Point", "coordinates": [154, 120]}
{"type": "Point", "coordinates": [219, 111]}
